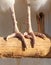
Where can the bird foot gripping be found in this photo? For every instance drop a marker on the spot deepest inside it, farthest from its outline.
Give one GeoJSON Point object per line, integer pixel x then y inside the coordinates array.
{"type": "Point", "coordinates": [31, 36]}
{"type": "Point", "coordinates": [20, 36]}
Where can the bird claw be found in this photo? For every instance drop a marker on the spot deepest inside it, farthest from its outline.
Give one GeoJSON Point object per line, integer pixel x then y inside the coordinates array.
{"type": "Point", "coordinates": [31, 36]}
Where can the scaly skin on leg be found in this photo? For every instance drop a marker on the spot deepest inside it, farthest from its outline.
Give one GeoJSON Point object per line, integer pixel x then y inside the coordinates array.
{"type": "Point", "coordinates": [30, 34]}
{"type": "Point", "coordinates": [17, 32]}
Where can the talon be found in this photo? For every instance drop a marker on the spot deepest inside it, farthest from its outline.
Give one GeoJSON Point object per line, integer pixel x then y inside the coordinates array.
{"type": "Point", "coordinates": [32, 39]}
{"type": "Point", "coordinates": [31, 36]}
{"type": "Point", "coordinates": [21, 36]}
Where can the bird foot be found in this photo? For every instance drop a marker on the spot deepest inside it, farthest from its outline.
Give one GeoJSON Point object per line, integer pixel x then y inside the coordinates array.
{"type": "Point", "coordinates": [20, 36]}
{"type": "Point", "coordinates": [41, 35]}
{"type": "Point", "coordinates": [31, 36]}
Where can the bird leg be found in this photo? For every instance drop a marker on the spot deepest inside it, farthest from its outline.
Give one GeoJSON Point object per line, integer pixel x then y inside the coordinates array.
{"type": "Point", "coordinates": [17, 32]}
{"type": "Point", "coordinates": [30, 34]}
